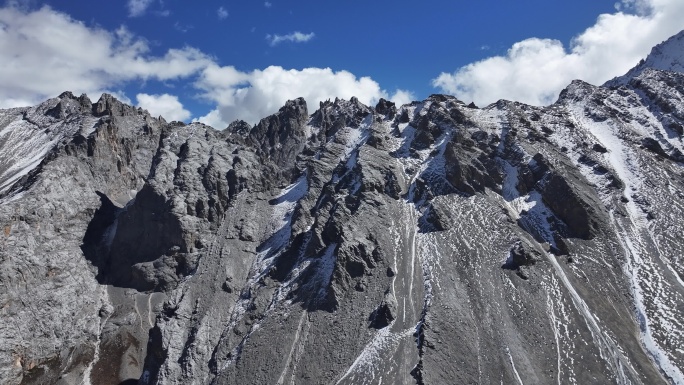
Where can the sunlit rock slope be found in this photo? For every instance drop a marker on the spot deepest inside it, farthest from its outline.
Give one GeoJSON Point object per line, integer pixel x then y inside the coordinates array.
{"type": "Point", "coordinates": [430, 243]}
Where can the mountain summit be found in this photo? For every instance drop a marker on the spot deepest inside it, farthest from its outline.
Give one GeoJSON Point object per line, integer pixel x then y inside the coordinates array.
{"type": "Point", "coordinates": [429, 243]}
{"type": "Point", "coordinates": [666, 56]}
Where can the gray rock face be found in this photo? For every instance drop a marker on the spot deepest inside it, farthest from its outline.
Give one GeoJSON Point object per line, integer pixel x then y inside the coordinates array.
{"type": "Point", "coordinates": [430, 243]}
{"type": "Point", "coordinates": [66, 172]}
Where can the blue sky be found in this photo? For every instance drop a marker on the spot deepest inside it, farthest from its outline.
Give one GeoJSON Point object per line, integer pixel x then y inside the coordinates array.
{"type": "Point", "coordinates": [219, 60]}
{"type": "Point", "coordinates": [399, 44]}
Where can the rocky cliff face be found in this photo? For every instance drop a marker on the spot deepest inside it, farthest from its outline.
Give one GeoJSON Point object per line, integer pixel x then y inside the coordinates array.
{"type": "Point", "coordinates": [430, 243]}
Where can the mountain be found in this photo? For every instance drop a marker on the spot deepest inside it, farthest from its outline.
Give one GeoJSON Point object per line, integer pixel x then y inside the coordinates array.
{"type": "Point", "coordinates": [666, 56]}
{"type": "Point", "coordinates": [430, 243]}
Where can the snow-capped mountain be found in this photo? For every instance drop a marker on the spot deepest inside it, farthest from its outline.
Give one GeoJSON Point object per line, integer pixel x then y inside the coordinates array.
{"type": "Point", "coordinates": [430, 243]}
{"type": "Point", "coordinates": [666, 56]}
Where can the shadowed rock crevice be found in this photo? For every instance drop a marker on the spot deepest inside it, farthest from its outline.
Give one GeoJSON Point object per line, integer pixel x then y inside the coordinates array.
{"type": "Point", "coordinates": [141, 246]}
{"type": "Point", "coordinates": [156, 354]}
{"type": "Point", "coordinates": [98, 235]}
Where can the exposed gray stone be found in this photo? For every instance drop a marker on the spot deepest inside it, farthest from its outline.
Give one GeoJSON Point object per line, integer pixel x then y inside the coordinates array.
{"type": "Point", "coordinates": [356, 245]}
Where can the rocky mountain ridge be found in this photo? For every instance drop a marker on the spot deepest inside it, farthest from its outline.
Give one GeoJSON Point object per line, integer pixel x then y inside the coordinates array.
{"type": "Point", "coordinates": [430, 243]}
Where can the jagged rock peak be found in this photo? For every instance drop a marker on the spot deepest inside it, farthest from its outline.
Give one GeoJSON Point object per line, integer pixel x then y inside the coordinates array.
{"type": "Point", "coordinates": [110, 105]}
{"type": "Point", "coordinates": [288, 121]}
{"type": "Point", "coordinates": [445, 98]}
{"type": "Point", "coordinates": [294, 106]}
{"type": "Point", "coordinates": [279, 138]}
{"type": "Point", "coordinates": [331, 116]}
{"type": "Point", "coordinates": [239, 127]}
{"type": "Point", "coordinates": [576, 90]}
{"type": "Point", "coordinates": [69, 104]}
{"type": "Point", "coordinates": [385, 107]}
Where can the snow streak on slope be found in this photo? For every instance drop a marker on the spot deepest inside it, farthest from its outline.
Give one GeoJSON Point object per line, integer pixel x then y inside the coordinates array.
{"type": "Point", "coordinates": [610, 351]}
{"type": "Point", "coordinates": [24, 147]}
{"type": "Point", "coordinates": [656, 307]}
{"type": "Point", "coordinates": [28, 134]}
{"type": "Point", "coordinates": [393, 348]}
{"type": "Point", "coordinates": [561, 324]}
{"type": "Point", "coordinates": [374, 356]}
{"type": "Point", "coordinates": [278, 233]}
{"type": "Point", "coordinates": [104, 298]}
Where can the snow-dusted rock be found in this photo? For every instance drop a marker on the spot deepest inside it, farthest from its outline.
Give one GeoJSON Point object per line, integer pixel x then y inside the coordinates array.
{"type": "Point", "coordinates": [430, 243]}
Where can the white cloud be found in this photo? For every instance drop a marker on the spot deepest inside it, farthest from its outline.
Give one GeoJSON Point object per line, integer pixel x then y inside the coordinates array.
{"type": "Point", "coordinates": [401, 97]}
{"type": "Point", "coordinates": [165, 105]}
{"type": "Point", "coordinates": [42, 55]}
{"type": "Point", "coordinates": [121, 96]}
{"type": "Point", "coordinates": [268, 4]}
{"type": "Point", "coordinates": [138, 7]}
{"type": "Point", "coordinates": [222, 13]}
{"type": "Point", "coordinates": [213, 119]}
{"type": "Point", "coordinates": [182, 27]}
{"type": "Point", "coordinates": [251, 96]}
{"type": "Point", "coordinates": [295, 37]}
{"type": "Point", "coordinates": [536, 70]}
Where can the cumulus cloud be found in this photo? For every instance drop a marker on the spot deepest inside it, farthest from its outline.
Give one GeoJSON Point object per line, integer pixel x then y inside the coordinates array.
{"type": "Point", "coordinates": [401, 97]}
{"type": "Point", "coordinates": [213, 119]}
{"type": "Point", "coordinates": [536, 70]}
{"type": "Point", "coordinates": [138, 7]}
{"type": "Point", "coordinates": [222, 13]}
{"type": "Point", "coordinates": [165, 105]}
{"type": "Point", "coordinates": [253, 95]}
{"type": "Point", "coordinates": [295, 37]}
{"type": "Point", "coordinates": [267, 4]}
{"type": "Point", "coordinates": [42, 54]}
